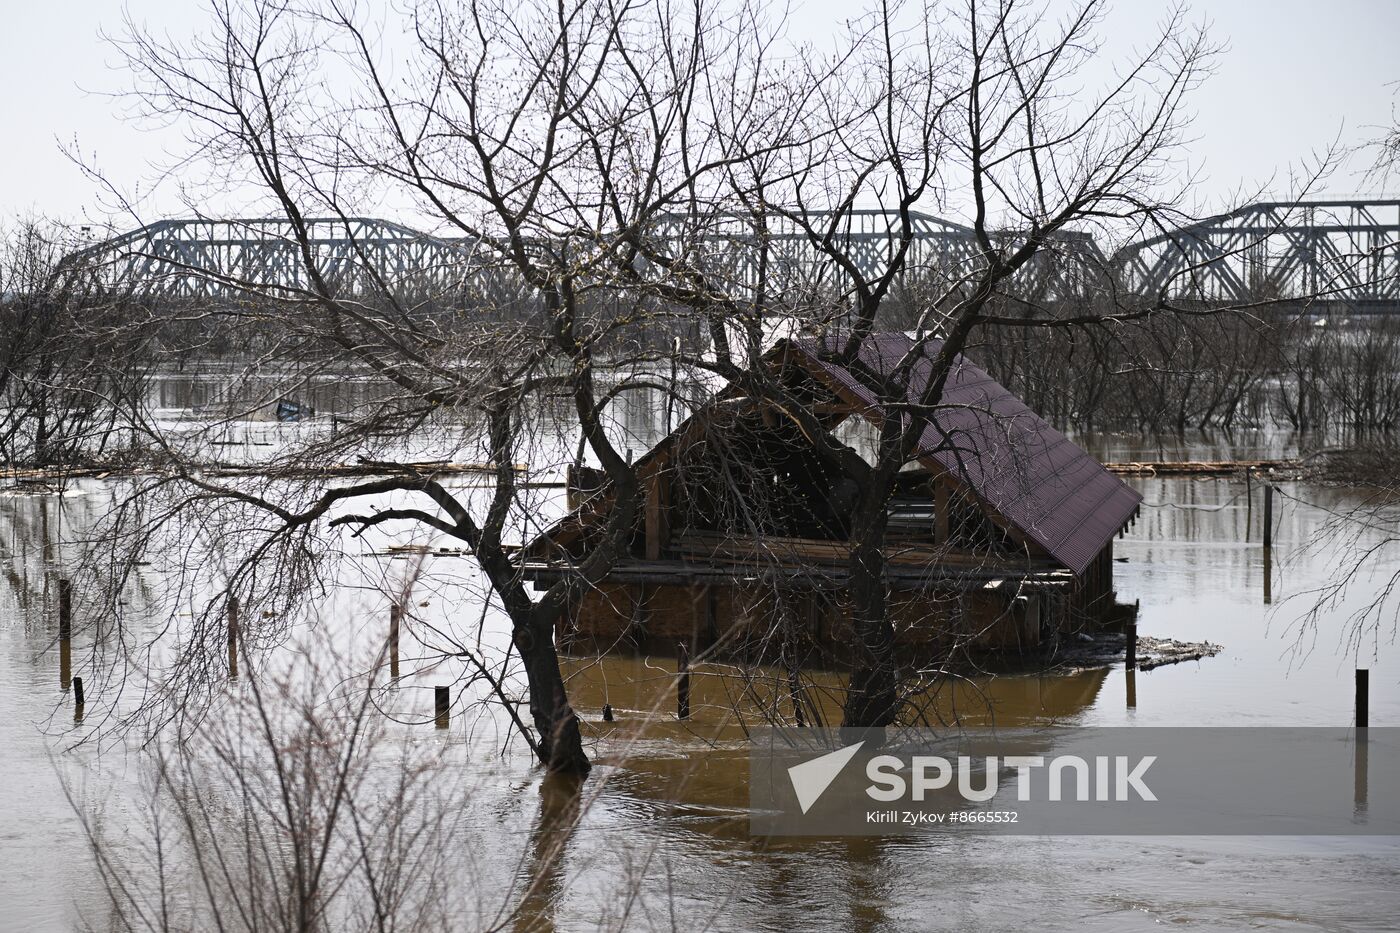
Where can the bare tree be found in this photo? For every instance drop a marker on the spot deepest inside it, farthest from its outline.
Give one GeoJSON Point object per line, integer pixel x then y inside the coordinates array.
{"type": "Point", "coordinates": [1036, 167]}
{"type": "Point", "coordinates": [634, 189]}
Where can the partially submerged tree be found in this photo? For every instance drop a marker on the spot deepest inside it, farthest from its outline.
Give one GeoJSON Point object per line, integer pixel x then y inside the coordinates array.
{"type": "Point", "coordinates": [519, 120]}
{"type": "Point", "coordinates": [634, 189]}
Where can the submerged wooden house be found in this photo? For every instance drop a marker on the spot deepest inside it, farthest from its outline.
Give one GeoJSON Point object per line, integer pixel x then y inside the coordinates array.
{"type": "Point", "coordinates": [1000, 532]}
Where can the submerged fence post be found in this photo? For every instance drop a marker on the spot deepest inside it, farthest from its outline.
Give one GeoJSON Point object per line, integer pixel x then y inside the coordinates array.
{"type": "Point", "coordinates": [1130, 660]}
{"type": "Point", "coordinates": [395, 611]}
{"type": "Point", "coordinates": [1268, 516]}
{"type": "Point", "coordinates": [1361, 763]}
{"type": "Point", "coordinates": [65, 609]}
{"type": "Point", "coordinates": [233, 637]}
{"type": "Point", "coordinates": [1248, 505]}
{"type": "Point", "coordinates": [78, 699]}
{"type": "Point", "coordinates": [65, 634]}
{"type": "Point", "coordinates": [442, 706]}
{"type": "Point", "coordinates": [683, 681]}
{"type": "Point", "coordinates": [1363, 702]}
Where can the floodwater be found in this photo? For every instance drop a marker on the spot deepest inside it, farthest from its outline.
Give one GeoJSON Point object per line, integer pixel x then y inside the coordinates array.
{"type": "Point", "coordinates": [660, 839]}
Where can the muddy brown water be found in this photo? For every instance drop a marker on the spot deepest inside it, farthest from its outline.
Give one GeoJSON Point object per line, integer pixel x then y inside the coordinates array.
{"type": "Point", "coordinates": [667, 800]}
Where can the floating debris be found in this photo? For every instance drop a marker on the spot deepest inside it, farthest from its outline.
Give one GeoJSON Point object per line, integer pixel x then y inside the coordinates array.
{"type": "Point", "coordinates": [1108, 648]}
{"type": "Point", "coordinates": [288, 410]}
{"type": "Point", "coordinates": [1274, 469]}
{"type": "Point", "coordinates": [1159, 652]}
{"type": "Point", "coordinates": [407, 550]}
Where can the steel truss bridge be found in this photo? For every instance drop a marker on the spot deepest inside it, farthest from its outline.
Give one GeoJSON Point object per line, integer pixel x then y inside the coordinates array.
{"type": "Point", "coordinates": [1345, 252]}
{"type": "Point", "coordinates": [234, 258]}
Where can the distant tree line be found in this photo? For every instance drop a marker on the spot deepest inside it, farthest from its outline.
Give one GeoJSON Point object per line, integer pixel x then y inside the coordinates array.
{"type": "Point", "coordinates": [71, 360]}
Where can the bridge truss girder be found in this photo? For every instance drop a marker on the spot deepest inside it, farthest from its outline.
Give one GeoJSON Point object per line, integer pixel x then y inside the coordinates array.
{"type": "Point", "coordinates": [1342, 252]}
{"type": "Point", "coordinates": [1347, 251]}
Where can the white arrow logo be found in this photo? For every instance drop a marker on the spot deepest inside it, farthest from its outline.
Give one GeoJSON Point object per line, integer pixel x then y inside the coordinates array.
{"type": "Point", "coordinates": [811, 778]}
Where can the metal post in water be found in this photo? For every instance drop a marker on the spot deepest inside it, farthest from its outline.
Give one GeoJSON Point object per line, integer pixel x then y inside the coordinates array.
{"type": "Point", "coordinates": [395, 611]}
{"type": "Point", "coordinates": [1130, 661]}
{"type": "Point", "coordinates": [682, 681]}
{"type": "Point", "coordinates": [1363, 703]}
{"type": "Point", "coordinates": [442, 706]}
{"type": "Point", "coordinates": [233, 637]}
{"type": "Point", "coordinates": [78, 699]}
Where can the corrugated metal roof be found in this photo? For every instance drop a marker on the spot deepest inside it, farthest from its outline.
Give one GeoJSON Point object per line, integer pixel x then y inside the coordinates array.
{"type": "Point", "coordinates": [1040, 481]}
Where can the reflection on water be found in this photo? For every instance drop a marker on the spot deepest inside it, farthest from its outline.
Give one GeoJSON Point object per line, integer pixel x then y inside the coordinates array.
{"type": "Point", "coordinates": [1361, 768]}
{"type": "Point", "coordinates": [255, 392]}
{"type": "Point", "coordinates": [1266, 574]}
{"type": "Point", "coordinates": [544, 882]}
{"type": "Point", "coordinates": [726, 699]}
{"type": "Point", "coordinates": [659, 830]}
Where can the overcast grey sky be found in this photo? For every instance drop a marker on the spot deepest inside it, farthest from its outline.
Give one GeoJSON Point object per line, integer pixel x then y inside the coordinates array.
{"type": "Point", "coordinates": [1298, 74]}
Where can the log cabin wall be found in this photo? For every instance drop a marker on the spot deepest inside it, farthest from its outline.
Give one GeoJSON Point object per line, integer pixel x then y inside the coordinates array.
{"type": "Point", "coordinates": [732, 619]}
{"type": "Point", "coordinates": [1093, 594]}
